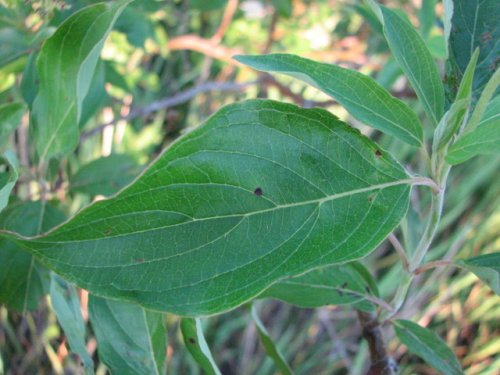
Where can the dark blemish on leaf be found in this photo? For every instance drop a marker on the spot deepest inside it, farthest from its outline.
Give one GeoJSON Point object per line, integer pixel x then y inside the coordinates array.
{"type": "Point", "coordinates": [345, 285]}
{"type": "Point", "coordinates": [341, 294]}
{"type": "Point", "coordinates": [370, 198]}
{"type": "Point", "coordinates": [367, 289]}
{"type": "Point", "coordinates": [108, 231]}
{"type": "Point", "coordinates": [378, 153]}
{"type": "Point", "coordinates": [192, 340]}
{"type": "Point", "coordinates": [139, 260]}
{"type": "Point", "coordinates": [258, 191]}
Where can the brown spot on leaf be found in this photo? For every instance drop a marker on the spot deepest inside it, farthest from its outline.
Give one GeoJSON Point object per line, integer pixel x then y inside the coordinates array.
{"type": "Point", "coordinates": [378, 153]}
{"type": "Point", "coordinates": [139, 260]}
{"type": "Point", "coordinates": [108, 231]}
{"type": "Point", "coordinates": [192, 340]}
{"type": "Point", "coordinates": [258, 191]}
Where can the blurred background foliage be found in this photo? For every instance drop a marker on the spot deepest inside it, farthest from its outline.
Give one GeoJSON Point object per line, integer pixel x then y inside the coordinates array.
{"type": "Point", "coordinates": [164, 69]}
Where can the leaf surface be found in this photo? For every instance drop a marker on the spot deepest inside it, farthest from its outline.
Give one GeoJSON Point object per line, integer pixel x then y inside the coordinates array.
{"type": "Point", "coordinates": [416, 61]}
{"type": "Point", "coordinates": [428, 346]}
{"type": "Point", "coordinates": [486, 267]}
{"type": "Point", "coordinates": [361, 95]}
{"type": "Point", "coordinates": [263, 191]}
{"type": "Point", "coordinates": [8, 176]}
{"type": "Point", "coordinates": [130, 339]}
{"type": "Point", "coordinates": [66, 305]}
{"type": "Point", "coordinates": [23, 280]}
{"type": "Point", "coordinates": [194, 339]}
{"type": "Point", "coordinates": [71, 55]}
{"type": "Point", "coordinates": [474, 24]}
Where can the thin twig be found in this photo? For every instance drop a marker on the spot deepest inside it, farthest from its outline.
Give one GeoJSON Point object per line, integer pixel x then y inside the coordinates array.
{"type": "Point", "coordinates": [430, 265]}
{"type": "Point", "coordinates": [400, 250]}
{"type": "Point", "coordinates": [232, 6]}
{"type": "Point", "coordinates": [171, 101]}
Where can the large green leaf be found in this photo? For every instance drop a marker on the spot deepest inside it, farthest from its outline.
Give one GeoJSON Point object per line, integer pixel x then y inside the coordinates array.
{"type": "Point", "coordinates": [428, 346]}
{"type": "Point", "coordinates": [486, 267]}
{"type": "Point", "coordinates": [130, 339]}
{"type": "Point", "coordinates": [71, 55]}
{"type": "Point", "coordinates": [66, 305]}
{"type": "Point", "coordinates": [362, 96]}
{"type": "Point", "coordinates": [415, 59]}
{"type": "Point", "coordinates": [196, 344]}
{"type": "Point", "coordinates": [23, 280]}
{"type": "Point", "coordinates": [10, 119]}
{"type": "Point", "coordinates": [333, 285]}
{"type": "Point", "coordinates": [263, 191]}
{"type": "Point", "coordinates": [474, 24]}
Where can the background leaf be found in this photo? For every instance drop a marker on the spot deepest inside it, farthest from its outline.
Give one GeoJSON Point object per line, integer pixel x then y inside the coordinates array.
{"type": "Point", "coordinates": [104, 176]}
{"type": "Point", "coordinates": [8, 176]}
{"type": "Point", "coordinates": [71, 54]}
{"type": "Point", "coordinates": [415, 60]}
{"type": "Point", "coordinates": [428, 346]}
{"type": "Point", "coordinates": [10, 119]}
{"type": "Point", "coordinates": [362, 96]}
{"type": "Point", "coordinates": [486, 267]}
{"type": "Point", "coordinates": [270, 347]}
{"type": "Point", "coordinates": [66, 304]}
{"type": "Point", "coordinates": [474, 24]}
{"type": "Point", "coordinates": [333, 285]}
{"type": "Point", "coordinates": [23, 280]}
{"type": "Point", "coordinates": [264, 190]}
{"type": "Point", "coordinates": [130, 339]}
{"type": "Point", "coordinates": [195, 342]}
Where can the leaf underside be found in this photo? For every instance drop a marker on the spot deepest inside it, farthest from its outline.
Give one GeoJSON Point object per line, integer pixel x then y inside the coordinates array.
{"type": "Point", "coordinates": [263, 191]}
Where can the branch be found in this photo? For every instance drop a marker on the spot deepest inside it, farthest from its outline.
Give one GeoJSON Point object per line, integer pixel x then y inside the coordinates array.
{"type": "Point", "coordinates": [232, 6]}
{"type": "Point", "coordinates": [381, 362]}
{"type": "Point", "coordinates": [171, 101]}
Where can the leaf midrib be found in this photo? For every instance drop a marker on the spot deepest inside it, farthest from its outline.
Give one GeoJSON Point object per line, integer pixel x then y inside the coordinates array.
{"type": "Point", "coordinates": [318, 201]}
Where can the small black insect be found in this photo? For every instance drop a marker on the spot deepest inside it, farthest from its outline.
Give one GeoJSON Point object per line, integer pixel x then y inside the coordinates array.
{"type": "Point", "coordinates": [258, 191]}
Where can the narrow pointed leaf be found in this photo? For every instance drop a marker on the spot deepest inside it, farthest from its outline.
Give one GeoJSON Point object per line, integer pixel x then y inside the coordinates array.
{"type": "Point", "coordinates": [361, 95]}
{"type": "Point", "coordinates": [333, 285]}
{"type": "Point", "coordinates": [270, 347]}
{"type": "Point", "coordinates": [195, 342]}
{"type": "Point", "coordinates": [486, 267]}
{"type": "Point", "coordinates": [428, 346]}
{"type": "Point", "coordinates": [71, 55]}
{"type": "Point", "coordinates": [416, 61]}
{"type": "Point", "coordinates": [23, 280]}
{"type": "Point", "coordinates": [485, 139]}
{"type": "Point", "coordinates": [66, 305]}
{"type": "Point", "coordinates": [10, 119]}
{"type": "Point", "coordinates": [8, 176]}
{"type": "Point", "coordinates": [263, 191]}
{"type": "Point", "coordinates": [130, 339]}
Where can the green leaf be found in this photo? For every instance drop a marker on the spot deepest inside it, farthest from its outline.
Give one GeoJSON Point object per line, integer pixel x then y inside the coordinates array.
{"type": "Point", "coordinates": [104, 176]}
{"type": "Point", "coordinates": [71, 55]}
{"type": "Point", "coordinates": [8, 176]}
{"type": "Point", "coordinates": [10, 119]}
{"type": "Point", "coordinates": [269, 346]}
{"type": "Point", "coordinates": [474, 24]}
{"type": "Point", "coordinates": [486, 267]}
{"type": "Point", "coordinates": [263, 191]}
{"type": "Point", "coordinates": [428, 346]}
{"type": "Point", "coordinates": [483, 103]}
{"type": "Point", "coordinates": [66, 305]}
{"type": "Point", "coordinates": [484, 140]}
{"type": "Point", "coordinates": [23, 280]}
{"type": "Point", "coordinates": [30, 81]}
{"type": "Point", "coordinates": [362, 96]}
{"type": "Point", "coordinates": [416, 61]}
{"type": "Point", "coordinates": [333, 285]}
{"type": "Point", "coordinates": [96, 96]}
{"type": "Point", "coordinates": [195, 342]}
{"type": "Point", "coordinates": [130, 339]}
